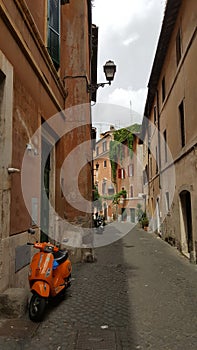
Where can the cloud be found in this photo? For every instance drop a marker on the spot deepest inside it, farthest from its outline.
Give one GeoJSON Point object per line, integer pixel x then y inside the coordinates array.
{"type": "Point", "coordinates": [131, 39]}
{"type": "Point", "coordinates": [128, 98]}
{"type": "Point", "coordinates": [117, 15]}
{"type": "Point", "coordinates": [128, 35]}
{"type": "Point", "coordinates": [106, 114]}
{"type": "Point", "coordinates": [134, 99]}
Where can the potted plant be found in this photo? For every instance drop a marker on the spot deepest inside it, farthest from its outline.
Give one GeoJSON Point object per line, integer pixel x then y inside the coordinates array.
{"type": "Point", "coordinates": [144, 222]}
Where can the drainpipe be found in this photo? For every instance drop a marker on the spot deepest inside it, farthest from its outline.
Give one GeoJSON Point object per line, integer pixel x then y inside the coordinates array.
{"type": "Point", "coordinates": [159, 140]}
{"type": "Point", "coordinates": [90, 60]}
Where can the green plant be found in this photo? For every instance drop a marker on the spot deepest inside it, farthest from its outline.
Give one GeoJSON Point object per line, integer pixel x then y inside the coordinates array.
{"type": "Point", "coordinates": [115, 197]}
{"type": "Point", "coordinates": [139, 212]}
{"type": "Point", "coordinates": [122, 193]}
{"type": "Point", "coordinates": [116, 148]}
{"type": "Point", "coordinates": [145, 222]}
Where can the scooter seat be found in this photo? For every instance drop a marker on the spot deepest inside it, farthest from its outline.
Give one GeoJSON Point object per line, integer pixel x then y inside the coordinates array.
{"type": "Point", "coordinates": [60, 256]}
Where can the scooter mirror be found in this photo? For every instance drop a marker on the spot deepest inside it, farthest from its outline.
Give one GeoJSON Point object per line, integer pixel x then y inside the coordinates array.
{"type": "Point", "coordinates": [30, 230]}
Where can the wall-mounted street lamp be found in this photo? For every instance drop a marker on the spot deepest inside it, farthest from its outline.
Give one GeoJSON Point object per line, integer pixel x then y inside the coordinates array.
{"type": "Point", "coordinates": [109, 70]}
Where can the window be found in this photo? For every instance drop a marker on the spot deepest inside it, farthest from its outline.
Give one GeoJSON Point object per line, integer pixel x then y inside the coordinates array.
{"type": "Point", "coordinates": [110, 190]}
{"type": "Point", "coordinates": [178, 47]}
{"type": "Point", "coordinates": [145, 175]}
{"type": "Point", "coordinates": [149, 134]}
{"type": "Point", "coordinates": [151, 167]}
{"type": "Point", "coordinates": [131, 170]}
{"type": "Point", "coordinates": [121, 173]}
{"type": "Point", "coordinates": [104, 146]}
{"type": "Point", "coordinates": [167, 201]}
{"type": "Point", "coordinates": [182, 123]}
{"type": "Point", "coordinates": [155, 115]}
{"type": "Point", "coordinates": [105, 164]}
{"type": "Point", "coordinates": [165, 145]}
{"type": "Point", "coordinates": [104, 187]}
{"type": "Point", "coordinates": [163, 89]}
{"type": "Point", "coordinates": [132, 214]}
{"type": "Point", "coordinates": [54, 31]}
{"type": "Point", "coordinates": [156, 152]}
{"type": "Point", "coordinates": [97, 150]}
{"type": "Point", "coordinates": [131, 191]}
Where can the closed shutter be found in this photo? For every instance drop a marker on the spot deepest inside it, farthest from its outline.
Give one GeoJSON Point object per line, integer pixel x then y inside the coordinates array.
{"type": "Point", "coordinates": [119, 173]}
{"type": "Point", "coordinates": [54, 31]}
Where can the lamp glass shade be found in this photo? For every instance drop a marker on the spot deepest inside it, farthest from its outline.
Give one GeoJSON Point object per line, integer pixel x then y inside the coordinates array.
{"type": "Point", "coordinates": [109, 70]}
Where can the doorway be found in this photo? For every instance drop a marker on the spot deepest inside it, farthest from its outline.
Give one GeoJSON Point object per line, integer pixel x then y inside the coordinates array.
{"type": "Point", "coordinates": [45, 189]}
{"type": "Point", "coordinates": [123, 214]}
{"type": "Point", "coordinates": [105, 211]}
{"type": "Point", "coordinates": [186, 222]}
{"type": "Point", "coordinates": [132, 215]}
{"type": "Point", "coordinates": [158, 222]}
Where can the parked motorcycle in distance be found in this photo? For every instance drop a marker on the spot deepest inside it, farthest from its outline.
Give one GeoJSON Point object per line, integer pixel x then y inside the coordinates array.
{"type": "Point", "coordinates": [49, 277]}
{"type": "Point", "coordinates": [99, 224]}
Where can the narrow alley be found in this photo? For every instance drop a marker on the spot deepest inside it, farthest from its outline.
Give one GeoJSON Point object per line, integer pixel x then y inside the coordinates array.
{"type": "Point", "coordinates": [140, 293]}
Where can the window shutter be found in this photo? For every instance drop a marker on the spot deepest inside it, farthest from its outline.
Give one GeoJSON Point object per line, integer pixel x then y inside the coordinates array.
{"type": "Point", "coordinates": [131, 190]}
{"type": "Point", "coordinates": [132, 169]}
{"type": "Point", "coordinates": [119, 173]}
{"type": "Point", "coordinates": [54, 31]}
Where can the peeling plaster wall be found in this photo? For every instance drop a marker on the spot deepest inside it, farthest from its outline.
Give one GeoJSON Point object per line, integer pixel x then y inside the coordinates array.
{"type": "Point", "coordinates": [34, 91]}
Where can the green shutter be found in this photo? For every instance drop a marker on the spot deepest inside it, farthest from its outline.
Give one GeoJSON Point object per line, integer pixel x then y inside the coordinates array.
{"type": "Point", "coordinates": [54, 31]}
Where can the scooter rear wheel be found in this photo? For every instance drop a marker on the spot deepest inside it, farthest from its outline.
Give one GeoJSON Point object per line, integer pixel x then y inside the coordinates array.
{"type": "Point", "coordinates": [36, 308]}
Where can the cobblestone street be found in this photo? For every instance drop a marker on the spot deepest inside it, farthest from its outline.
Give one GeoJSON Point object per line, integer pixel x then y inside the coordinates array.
{"type": "Point", "coordinates": [139, 294]}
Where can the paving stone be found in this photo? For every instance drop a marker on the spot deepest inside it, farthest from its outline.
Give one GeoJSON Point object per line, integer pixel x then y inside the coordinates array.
{"type": "Point", "coordinates": [146, 300]}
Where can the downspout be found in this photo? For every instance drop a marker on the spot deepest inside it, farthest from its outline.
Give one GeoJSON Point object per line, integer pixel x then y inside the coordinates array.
{"type": "Point", "coordinates": [159, 140]}
{"type": "Point", "coordinates": [90, 65]}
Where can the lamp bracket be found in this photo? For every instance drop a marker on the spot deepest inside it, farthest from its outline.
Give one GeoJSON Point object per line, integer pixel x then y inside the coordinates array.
{"type": "Point", "coordinates": [90, 87]}
{"type": "Point", "coordinates": [93, 87]}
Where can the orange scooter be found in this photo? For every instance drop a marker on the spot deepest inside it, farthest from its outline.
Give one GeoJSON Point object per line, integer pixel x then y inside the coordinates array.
{"type": "Point", "coordinates": [49, 277]}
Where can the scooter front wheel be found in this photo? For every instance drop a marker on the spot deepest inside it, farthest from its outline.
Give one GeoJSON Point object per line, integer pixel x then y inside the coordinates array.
{"type": "Point", "coordinates": [37, 307]}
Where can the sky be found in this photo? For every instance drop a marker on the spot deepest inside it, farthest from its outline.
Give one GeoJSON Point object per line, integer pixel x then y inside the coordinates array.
{"type": "Point", "coordinates": [128, 35]}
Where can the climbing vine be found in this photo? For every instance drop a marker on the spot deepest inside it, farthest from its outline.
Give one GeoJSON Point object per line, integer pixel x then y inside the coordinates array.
{"type": "Point", "coordinates": [122, 193]}
{"type": "Point", "coordinates": [117, 148]}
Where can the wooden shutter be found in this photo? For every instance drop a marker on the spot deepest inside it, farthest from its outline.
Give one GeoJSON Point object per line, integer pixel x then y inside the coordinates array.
{"type": "Point", "coordinates": [119, 173]}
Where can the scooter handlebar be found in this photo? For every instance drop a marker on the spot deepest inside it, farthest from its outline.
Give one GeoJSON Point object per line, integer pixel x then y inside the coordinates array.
{"type": "Point", "coordinates": [44, 246]}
